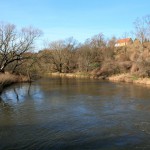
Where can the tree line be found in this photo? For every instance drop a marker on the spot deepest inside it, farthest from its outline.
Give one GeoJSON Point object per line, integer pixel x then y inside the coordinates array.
{"type": "Point", "coordinates": [97, 55]}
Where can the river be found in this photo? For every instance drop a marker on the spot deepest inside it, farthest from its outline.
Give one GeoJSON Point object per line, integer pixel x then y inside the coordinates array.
{"type": "Point", "coordinates": [70, 114]}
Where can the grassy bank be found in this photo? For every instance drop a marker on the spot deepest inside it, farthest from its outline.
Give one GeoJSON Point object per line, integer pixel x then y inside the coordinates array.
{"type": "Point", "coordinates": [7, 79]}
{"type": "Point", "coordinates": [70, 75]}
{"type": "Point", "coordinates": [75, 75]}
{"type": "Point", "coordinates": [128, 78]}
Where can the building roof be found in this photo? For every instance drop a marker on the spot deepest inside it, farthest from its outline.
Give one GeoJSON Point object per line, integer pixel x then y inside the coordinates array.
{"type": "Point", "coordinates": [126, 40]}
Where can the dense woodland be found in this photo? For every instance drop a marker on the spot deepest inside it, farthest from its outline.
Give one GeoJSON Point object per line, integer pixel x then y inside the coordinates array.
{"type": "Point", "coordinates": [97, 56]}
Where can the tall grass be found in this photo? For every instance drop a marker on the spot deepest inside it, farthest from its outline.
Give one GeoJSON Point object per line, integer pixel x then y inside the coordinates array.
{"type": "Point", "coordinates": [7, 79]}
{"type": "Point", "coordinates": [129, 78]}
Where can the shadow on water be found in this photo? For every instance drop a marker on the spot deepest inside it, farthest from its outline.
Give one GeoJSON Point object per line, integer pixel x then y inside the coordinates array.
{"type": "Point", "coordinates": [72, 114]}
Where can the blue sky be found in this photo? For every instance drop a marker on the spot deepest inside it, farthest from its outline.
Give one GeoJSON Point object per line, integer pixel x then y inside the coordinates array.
{"type": "Point", "coordinates": [60, 19]}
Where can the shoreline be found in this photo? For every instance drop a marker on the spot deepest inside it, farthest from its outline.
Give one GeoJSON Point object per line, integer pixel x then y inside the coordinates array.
{"type": "Point", "coordinates": [128, 78]}
{"type": "Point", "coordinates": [124, 78]}
{"type": "Point", "coordinates": [76, 75]}
{"type": "Point", "coordinates": [8, 79]}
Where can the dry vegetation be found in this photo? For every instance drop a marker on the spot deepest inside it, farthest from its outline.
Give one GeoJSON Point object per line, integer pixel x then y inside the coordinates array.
{"type": "Point", "coordinates": [129, 78]}
{"type": "Point", "coordinates": [15, 53]}
{"type": "Point", "coordinates": [98, 61]}
{"type": "Point", "coordinates": [7, 79]}
{"type": "Point", "coordinates": [97, 57]}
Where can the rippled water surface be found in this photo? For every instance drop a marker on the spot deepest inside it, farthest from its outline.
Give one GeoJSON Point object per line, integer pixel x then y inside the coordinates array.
{"type": "Point", "coordinates": [68, 114]}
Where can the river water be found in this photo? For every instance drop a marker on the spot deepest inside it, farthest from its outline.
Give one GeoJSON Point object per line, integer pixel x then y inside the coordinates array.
{"type": "Point", "coordinates": [70, 114]}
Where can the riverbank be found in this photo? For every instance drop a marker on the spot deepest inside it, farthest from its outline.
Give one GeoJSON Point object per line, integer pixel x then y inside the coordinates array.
{"type": "Point", "coordinates": [75, 75]}
{"type": "Point", "coordinates": [7, 79]}
{"type": "Point", "coordinates": [70, 75]}
{"type": "Point", "coordinates": [127, 78]}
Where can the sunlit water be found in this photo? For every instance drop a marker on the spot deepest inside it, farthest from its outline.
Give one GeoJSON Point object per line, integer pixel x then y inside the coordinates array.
{"type": "Point", "coordinates": [68, 114]}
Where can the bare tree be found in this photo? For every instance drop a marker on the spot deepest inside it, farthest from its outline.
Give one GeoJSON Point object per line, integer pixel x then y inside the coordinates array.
{"type": "Point", "coordinates": [62, 55]}
{"type": "Point", "coordinates": [15, 43]}
{"type": "Point", "coordinates": [97, 41]}
{"type": "Point", "coordinates": [111, 42]}
{"type": "Point", "coordinates": [56, 56]}
{"type": "Point", "coordinates": [85, 58]}
{"type": "Point", "coordinates": [142, 28]}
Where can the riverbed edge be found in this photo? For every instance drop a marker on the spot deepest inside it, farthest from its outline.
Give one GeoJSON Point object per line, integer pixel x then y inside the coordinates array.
{"type": "Point", "coordinates": [125, 77]}
{"type": "Point", "coordinates": [7, 79]}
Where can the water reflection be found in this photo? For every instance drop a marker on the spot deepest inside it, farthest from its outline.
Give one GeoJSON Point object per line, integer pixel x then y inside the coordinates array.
{"type": "Point", "coordinates": [74, 114]}
{"type": "Point", "coordinates": [4, 106]}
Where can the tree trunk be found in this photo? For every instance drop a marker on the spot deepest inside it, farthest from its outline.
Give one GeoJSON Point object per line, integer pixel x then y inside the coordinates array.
{"type": "Point", "coordinates": [2, 70]}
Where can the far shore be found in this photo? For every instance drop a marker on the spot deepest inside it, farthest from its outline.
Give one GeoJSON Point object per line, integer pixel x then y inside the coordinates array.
{"type": "Point", "coordinates": [126, 77]}
{"type": "Point", "coordinates": [76, 75]}
{"type": "Point", "coordinates": [8, 79]}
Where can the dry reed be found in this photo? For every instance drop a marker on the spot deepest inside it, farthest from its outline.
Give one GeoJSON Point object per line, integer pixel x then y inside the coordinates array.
{"type": "Point", "coordinates": [7, 79]}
